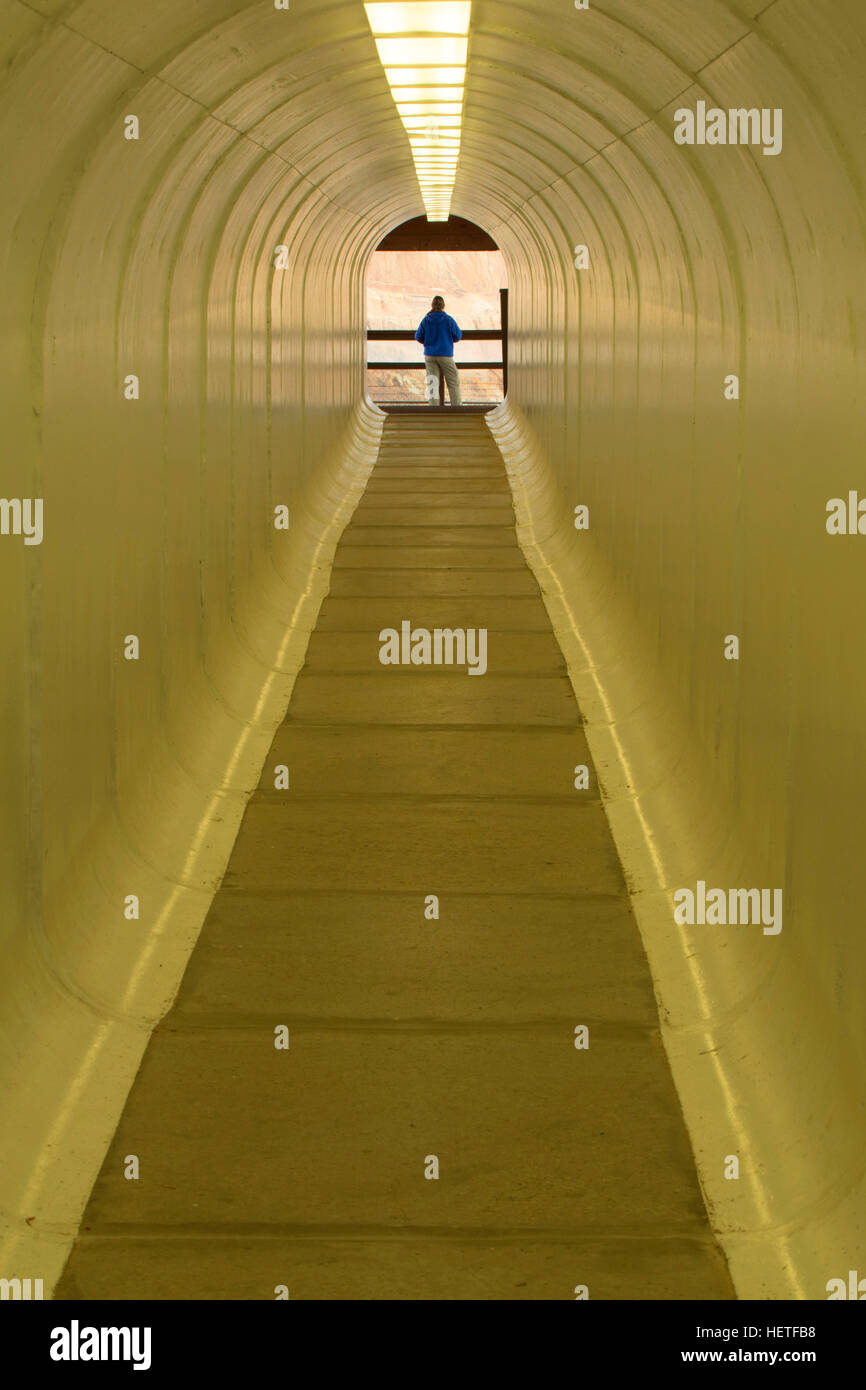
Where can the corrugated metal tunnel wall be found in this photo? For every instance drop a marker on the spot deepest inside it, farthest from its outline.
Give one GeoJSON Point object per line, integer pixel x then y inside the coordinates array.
{"type": "Point", "coordinates": [154, 258]}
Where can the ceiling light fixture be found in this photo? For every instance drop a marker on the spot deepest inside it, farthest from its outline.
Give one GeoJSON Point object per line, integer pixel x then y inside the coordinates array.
{"type": "Point", "coordinates": [423, 46]}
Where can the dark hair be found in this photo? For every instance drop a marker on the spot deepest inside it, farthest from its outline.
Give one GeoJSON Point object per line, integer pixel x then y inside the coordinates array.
{"type": "Point", "coordinates": [438, 300]}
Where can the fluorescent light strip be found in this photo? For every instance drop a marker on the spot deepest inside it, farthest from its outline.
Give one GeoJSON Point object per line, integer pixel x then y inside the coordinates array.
{"type": "Point", "coordinates": [420, 17]}
{"type": "Point", "coordinates": [424, 76]}
{"type": "Point", "coordinates": [423, 46]}
{"type": "Point", "coordinates": [422, 52]}
{"type": "Point", "coordinates": [432, 125]}
{"type": "Point", "coordinates": [426, 94]}
{"type": "Point", "coordinates": [430, 109]}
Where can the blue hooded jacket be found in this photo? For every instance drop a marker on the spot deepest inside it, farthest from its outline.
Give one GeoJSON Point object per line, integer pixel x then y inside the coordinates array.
{"type": "Point", "coordinates": [438, 332]}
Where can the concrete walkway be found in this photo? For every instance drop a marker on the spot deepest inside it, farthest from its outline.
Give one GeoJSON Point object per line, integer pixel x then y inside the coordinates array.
{"type": "Point", "coordinates": [413, 1037]}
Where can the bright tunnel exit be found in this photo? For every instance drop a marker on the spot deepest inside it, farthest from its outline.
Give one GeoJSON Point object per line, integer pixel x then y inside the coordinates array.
{"type": "Point", "coordinates": [416, 264]}
{"type": "Point", "coordinates": [430, 837]}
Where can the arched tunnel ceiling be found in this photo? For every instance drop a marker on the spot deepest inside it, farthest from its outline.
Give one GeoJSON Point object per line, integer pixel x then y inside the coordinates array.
{"type": "Point", "coordinates": [548, 87]}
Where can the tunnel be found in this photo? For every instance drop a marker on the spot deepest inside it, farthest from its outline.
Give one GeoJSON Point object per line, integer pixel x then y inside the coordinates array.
{"type": "Point", "coordinates": [365, 982]}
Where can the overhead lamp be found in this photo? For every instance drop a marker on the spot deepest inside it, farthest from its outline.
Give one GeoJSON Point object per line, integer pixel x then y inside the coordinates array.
{"type": "Point", "coordinates": [435, 93]}
{"type": "Point", "coordinates": [420, 17]}
{"type": "Point", "coordinates": [423, 52]}
{"type": "Point", "coordinates": [424, 76]}
{"type": "Point", "coordinates": [423, 47]}
{"type": "Point", "coordinates": [444, 124]}
{"type": "Point", "coordinates": [430, 108]}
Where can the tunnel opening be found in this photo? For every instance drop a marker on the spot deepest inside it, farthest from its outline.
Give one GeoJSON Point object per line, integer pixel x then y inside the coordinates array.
{"type": "Point", "coordinates": [416, 261]}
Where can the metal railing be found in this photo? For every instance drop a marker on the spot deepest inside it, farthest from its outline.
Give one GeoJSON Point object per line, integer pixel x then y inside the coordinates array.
{"type": "Point", "coordinates": [405, 335]}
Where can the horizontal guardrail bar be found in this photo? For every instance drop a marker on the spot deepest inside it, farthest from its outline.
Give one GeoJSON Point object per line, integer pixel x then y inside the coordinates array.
{"type": "Point", "coordinates": [403, 335]}
{"type": "Point", "coordinates": [418, 366]}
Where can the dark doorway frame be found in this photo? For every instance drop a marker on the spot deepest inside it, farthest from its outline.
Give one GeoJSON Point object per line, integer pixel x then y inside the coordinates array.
{"type": "Point", "coordinates": [457, 234]}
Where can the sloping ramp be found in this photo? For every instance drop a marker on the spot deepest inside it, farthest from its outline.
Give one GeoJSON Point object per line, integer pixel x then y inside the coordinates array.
{"type": "Point", "coordinates": [413, 1037]}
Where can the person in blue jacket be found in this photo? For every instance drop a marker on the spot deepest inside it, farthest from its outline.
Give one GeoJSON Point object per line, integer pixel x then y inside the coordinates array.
{"type": "Point", "coordinates": [438, 332]}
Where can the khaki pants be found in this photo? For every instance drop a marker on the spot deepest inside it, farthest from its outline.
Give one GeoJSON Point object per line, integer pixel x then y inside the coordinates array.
{"type": "Point", "coordinates": [445, 366]}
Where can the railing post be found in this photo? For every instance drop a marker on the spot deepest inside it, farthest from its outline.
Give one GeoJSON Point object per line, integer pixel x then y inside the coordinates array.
{"type": "Point", "coordinates": [503, 318]}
